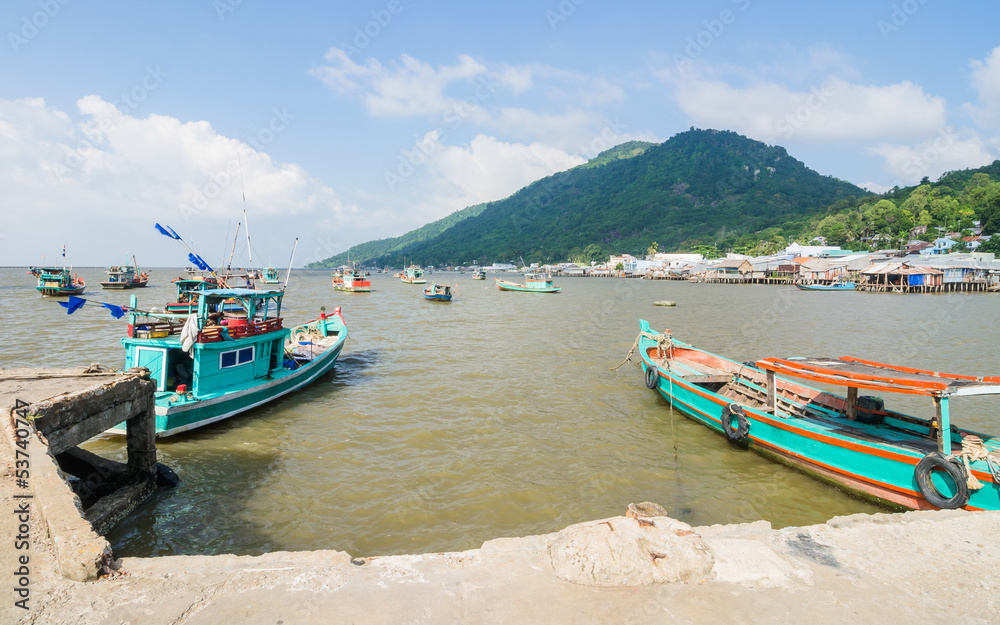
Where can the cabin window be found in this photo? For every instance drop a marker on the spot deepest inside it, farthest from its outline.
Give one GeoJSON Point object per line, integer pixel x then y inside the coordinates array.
{"type": "Point", "coordinates": [236, 357]}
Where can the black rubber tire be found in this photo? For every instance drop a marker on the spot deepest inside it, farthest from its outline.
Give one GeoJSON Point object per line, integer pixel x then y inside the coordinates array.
{"type": "Point", "coordinates": [652, 377]}
{"type": "Point", "coordinates": [742, 428]}
{"type": "Point", "coordinates": [954, 469]}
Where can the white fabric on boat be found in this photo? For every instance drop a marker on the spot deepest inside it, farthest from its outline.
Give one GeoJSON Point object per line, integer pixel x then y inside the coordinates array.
{"type": "Point", "coordinates": [189, 334]}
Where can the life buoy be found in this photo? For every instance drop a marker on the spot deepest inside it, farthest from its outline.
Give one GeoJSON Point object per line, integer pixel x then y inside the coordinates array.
{"type": "Point", "coordinates": [652, 377]}
{"type": "Point", "coordinates": [930, 491]}
{"type": "Point", "coordinates": [742, 423]}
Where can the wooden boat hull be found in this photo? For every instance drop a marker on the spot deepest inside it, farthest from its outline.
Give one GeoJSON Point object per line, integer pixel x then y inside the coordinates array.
{"type": "Point", "coordinates": [437, 298]}
{"type": "Point", "coordinates": [56, 291]}
{"type": "Point", "coordinates": [854, 456]}
{"type": "Point", "coordinates": [122, 286]}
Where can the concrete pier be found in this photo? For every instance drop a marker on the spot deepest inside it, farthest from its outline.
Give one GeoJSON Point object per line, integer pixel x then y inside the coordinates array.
{"type": "Point", "coordinates": [645, 567]}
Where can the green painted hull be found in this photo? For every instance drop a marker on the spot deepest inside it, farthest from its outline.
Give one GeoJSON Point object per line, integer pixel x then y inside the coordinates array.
{"type": "Point", "coordinates": [503, 285]}
{"type": "Point", "coordinates": [874, 462]}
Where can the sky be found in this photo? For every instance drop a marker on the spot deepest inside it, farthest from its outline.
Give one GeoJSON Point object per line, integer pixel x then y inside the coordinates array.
{"type": "Point", "coordinates": [339, 123]}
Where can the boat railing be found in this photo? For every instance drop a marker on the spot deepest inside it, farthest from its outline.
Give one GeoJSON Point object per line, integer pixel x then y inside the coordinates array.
{"type": "Point", "coordinates": [211, 334]}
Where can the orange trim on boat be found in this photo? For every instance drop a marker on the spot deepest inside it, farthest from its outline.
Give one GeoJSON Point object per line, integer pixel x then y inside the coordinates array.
{"type": "Point", "coordinates": [938, 374]}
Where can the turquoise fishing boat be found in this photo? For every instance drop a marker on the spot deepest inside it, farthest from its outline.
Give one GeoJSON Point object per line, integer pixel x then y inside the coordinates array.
{"type": "Point", "coordinates": [231, 354]}
{"type": "Point", "coordinates": [835, 286]}
{"type": "Point", "coordinates": [413, 275]}
{"type": "Point", "coordinates": [479, 274]}
{"type": "Point", "coordinates": [57, 281]}
{"type": "Point", "coordinates": [533, 283]}
{"type": "Point", "coordinates": [438, 292]}
{"type": "Point", "coordinates": [851, 441]}
{"type": "Point", "coordinates": [270, 276]}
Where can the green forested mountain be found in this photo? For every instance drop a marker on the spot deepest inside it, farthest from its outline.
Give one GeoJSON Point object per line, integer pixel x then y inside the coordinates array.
{"type": "Point", "coordinates": [701, 187]}
{"type": "Point", "coordinates": [366, 252]}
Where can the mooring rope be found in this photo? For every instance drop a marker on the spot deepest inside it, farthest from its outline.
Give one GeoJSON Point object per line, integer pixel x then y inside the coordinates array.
{"type": "Point", "coordinates": [973, 450]}
{"type": "Point", "coordinates": [664, 346]}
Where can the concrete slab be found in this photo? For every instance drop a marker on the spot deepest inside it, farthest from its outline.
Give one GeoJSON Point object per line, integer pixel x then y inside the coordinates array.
{"type": "Point", "coordinates": [914, 568]}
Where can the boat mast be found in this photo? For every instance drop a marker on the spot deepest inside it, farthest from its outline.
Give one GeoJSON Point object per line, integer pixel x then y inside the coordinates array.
{"type": "Point", "coordinates": [236, 237]}
{"type": "Point", "coordinates": [290, 259]}
{"type": "Point", "coordinates": [245, 220]}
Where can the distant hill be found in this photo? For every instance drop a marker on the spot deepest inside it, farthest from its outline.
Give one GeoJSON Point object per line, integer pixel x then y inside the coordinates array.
{"type": "Point", "coordinates": [700, 187]}
{"type": "Point", "coordinates": [365, 252]}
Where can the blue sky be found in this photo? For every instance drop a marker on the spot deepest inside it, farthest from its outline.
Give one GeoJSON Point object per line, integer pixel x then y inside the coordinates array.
{"type": "Point", "coordinates": [354, 122]}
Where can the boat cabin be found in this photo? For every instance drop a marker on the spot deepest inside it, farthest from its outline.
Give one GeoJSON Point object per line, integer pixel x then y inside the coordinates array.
{"type": "Point", "coordinates": [232, 338]}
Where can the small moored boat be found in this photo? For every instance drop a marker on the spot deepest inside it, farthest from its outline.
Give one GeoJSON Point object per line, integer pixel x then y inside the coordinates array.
{"type": "Point", "coordinates": [125, 277]}
{"type": "Point", "coordinates": [270, 276]}
{"type": "Point", "coordinates": [479, 274]}
{"type": "Point", "coordinates": [438, 292]}
{"type": "Point", "coordinates": [351, 281]}
{"type": "Point", "coordinates": [851, 441]}
{"type": "Point", "coordinates": [533, 283]}
{"type": "Point", "coordinates": [57, 281]}
{"type": "Point", "coordinates": [413, 275]}
{"type": "Point", "coordinates": [835, 286]}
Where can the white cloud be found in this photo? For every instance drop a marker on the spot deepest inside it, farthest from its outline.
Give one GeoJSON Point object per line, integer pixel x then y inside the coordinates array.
{"type": "Point", "coordinates": [471, 90]}
{"type": "Point", "coordinates": [875, 187]}
{"type": "Point", "coordinates": [985, 78]}
{"type": "Point", "coordinates": [401, 89]}
{"type": "Point", "coordinates": [933, 157]}
{"type": "Point", "coordinates": [110, 173]}
{"type": "Point", "coordinates": [833, 110]}
{"type": "Point", "coordinates": [484, 170]}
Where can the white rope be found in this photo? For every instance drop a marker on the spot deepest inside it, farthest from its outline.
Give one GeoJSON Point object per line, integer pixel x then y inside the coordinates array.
{"type": "Point", "coordinates": [973, 450]}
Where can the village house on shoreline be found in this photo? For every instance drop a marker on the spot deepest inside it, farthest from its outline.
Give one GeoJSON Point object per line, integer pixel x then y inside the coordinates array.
{"type": "Point", "coordinates": [919, 267]}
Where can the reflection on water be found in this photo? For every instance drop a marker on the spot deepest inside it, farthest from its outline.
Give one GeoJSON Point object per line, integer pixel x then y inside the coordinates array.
{"type": "Point", "coordinates": [445, 425]}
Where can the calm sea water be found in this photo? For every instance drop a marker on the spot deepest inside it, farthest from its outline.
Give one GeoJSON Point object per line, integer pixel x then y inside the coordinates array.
{"type": "Point", "coordinates": [445, 425]}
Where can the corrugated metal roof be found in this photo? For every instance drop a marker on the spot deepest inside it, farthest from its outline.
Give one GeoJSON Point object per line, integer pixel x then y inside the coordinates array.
{"type": "Point", "coordinates": [900, 269]}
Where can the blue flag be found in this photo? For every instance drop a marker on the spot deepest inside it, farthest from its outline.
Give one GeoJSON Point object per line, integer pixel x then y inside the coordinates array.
{"type": "Point", "coordinates": [74, 304]}
{"type": "Point", "coordinates": [199, 262]}
{"type": "Point", "coordinates": [168, 231]}
{"type": "Point", "coordinates": [116, 311]}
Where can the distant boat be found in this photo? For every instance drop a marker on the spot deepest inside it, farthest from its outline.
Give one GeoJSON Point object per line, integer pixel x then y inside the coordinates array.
{"type": "Point", "coordinates": [57, 281]}
{"type": "Point", "coordinates": [836, 286]}
{"type": "Point", "coordinates": [533, 283]}
{"type": "Point", "coordinates": [351, 281]}
{"type": "Point", "coordinates": [413, 275]}
{"type": "Point", "coordinates": [479, 275]}
{"type": "Point", "coordinates": [270, 276]}
{"type": "Point", "coordinates": [853, 441]}
{"type": "Point", "coordinates": [188, 293]}
{"type": "Point", "coordinates": [221, 360]}
{"type": "Point", "coordinates": [125, 277]}
{"type": "Point", "coordinates": [438, 292]}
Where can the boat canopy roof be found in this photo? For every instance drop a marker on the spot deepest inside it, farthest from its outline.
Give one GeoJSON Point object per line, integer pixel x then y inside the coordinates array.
{"type": "Point", "coordinates": [854, 372]}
